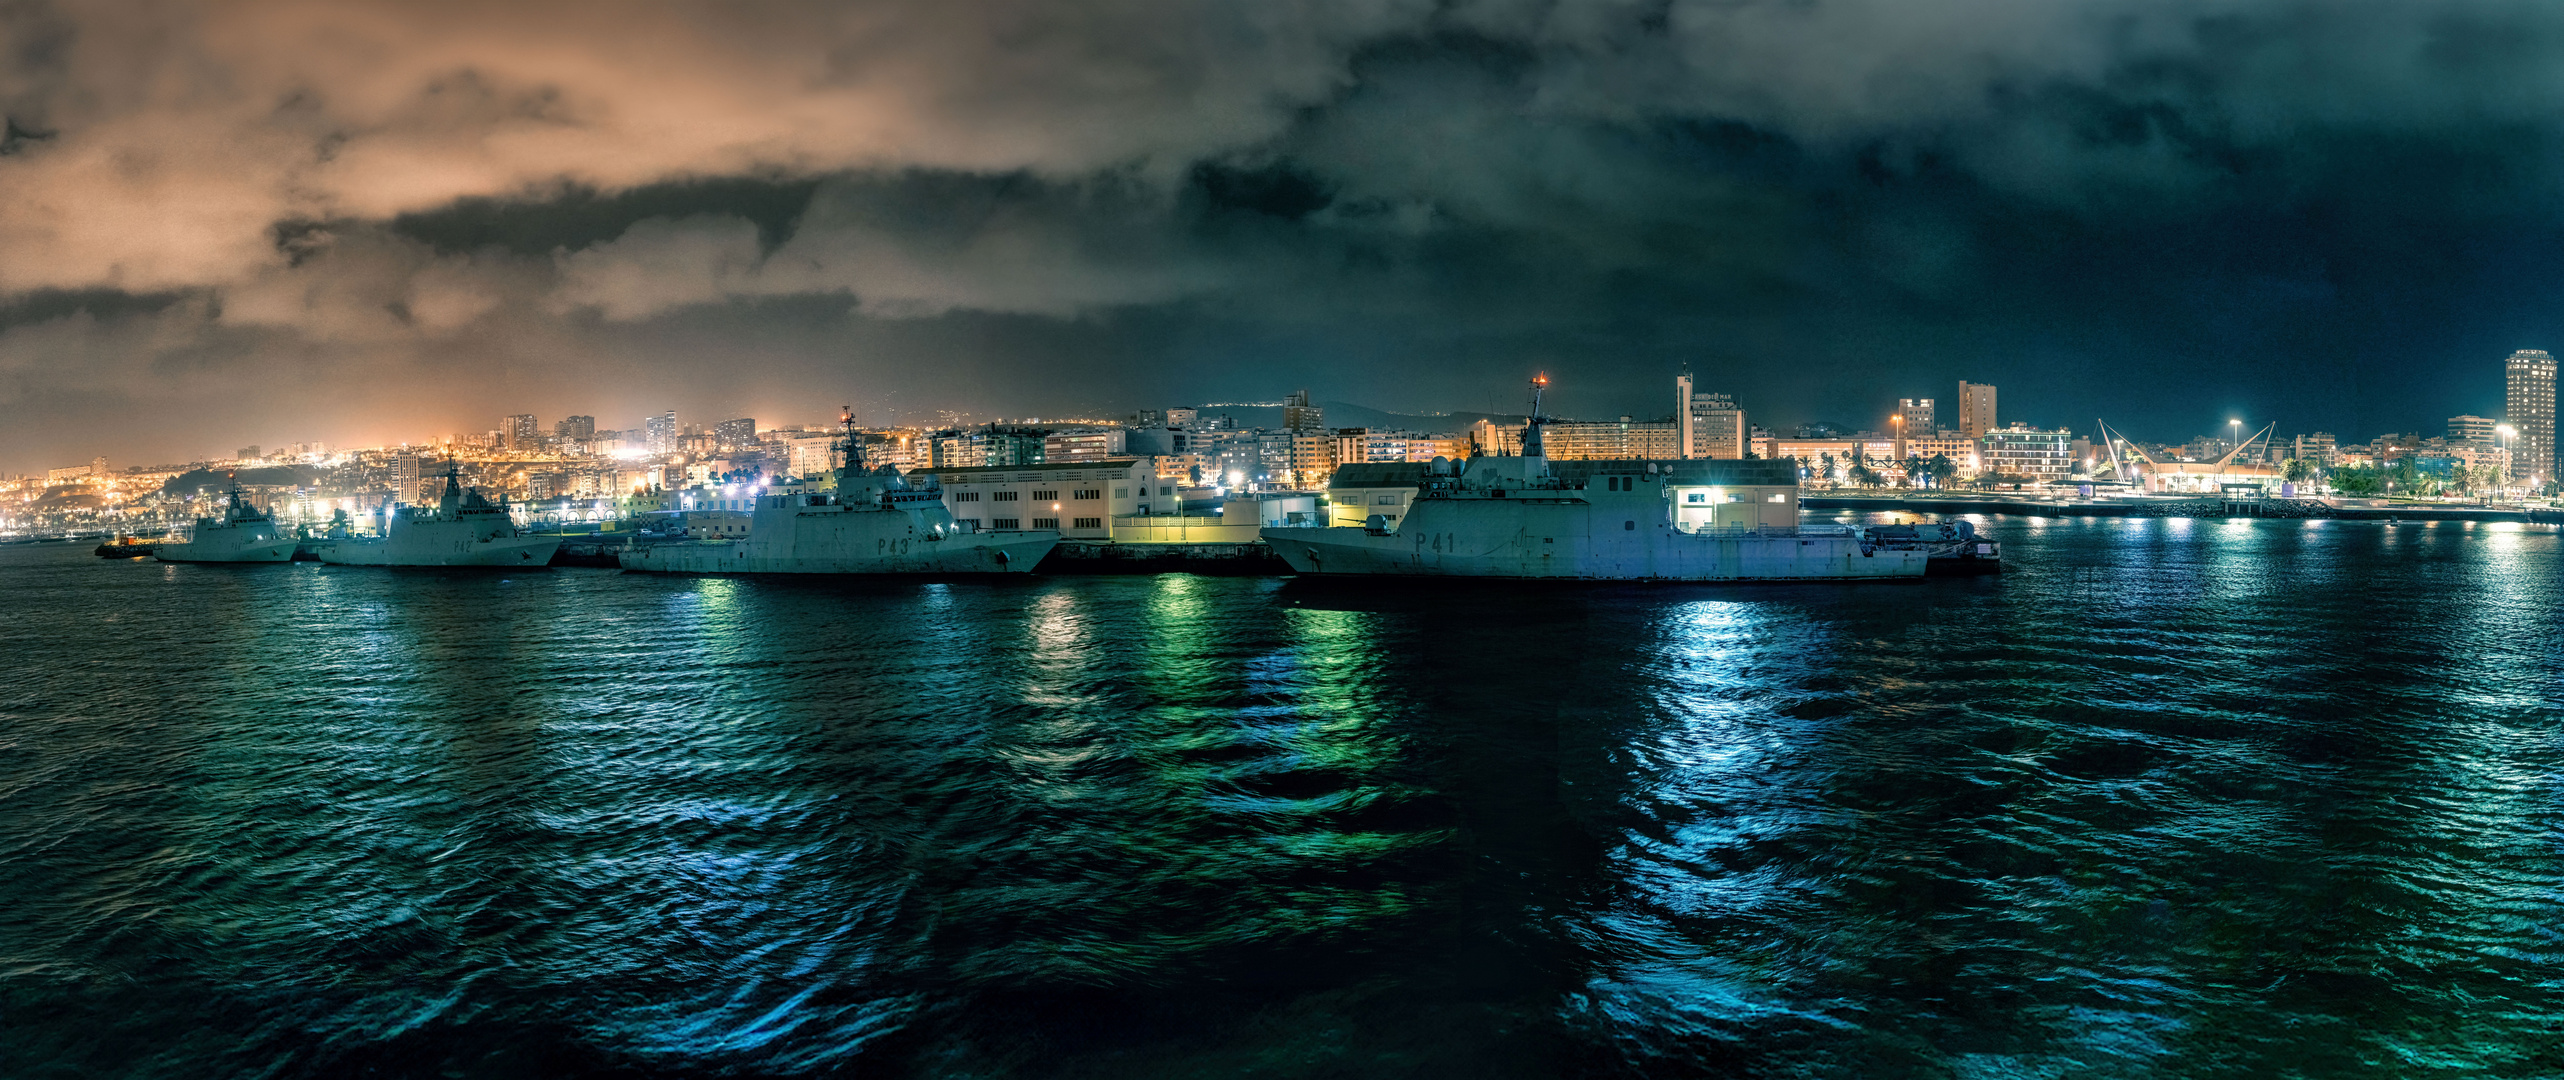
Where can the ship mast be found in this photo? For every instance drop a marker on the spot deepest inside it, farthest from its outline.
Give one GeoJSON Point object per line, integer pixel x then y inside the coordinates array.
{"type": "Point", "coordinates": [1533, 447]}
{"type": "Point", "coordinates": [849, 448]}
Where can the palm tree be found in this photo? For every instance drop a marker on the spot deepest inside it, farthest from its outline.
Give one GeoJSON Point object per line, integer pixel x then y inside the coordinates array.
{"type": "Point", "coordinates": [1914, 469]}
{"type": "Point", "coordinates": [1942, 469]}
{"type": "Point", "coordinates": [2406, 475]}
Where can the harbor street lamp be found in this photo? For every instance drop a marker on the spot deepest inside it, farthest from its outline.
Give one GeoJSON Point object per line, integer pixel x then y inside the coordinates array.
{"type": "Point", "coordinates": [2502, 436]}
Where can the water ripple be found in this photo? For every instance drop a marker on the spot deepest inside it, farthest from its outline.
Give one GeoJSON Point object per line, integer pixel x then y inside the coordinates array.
{"type": "Point", "coordinates": [2173, 798]}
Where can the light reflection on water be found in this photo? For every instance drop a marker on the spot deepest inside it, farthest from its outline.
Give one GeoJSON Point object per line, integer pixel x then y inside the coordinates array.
{"type": "Point", "coordinates": [2171, 798]}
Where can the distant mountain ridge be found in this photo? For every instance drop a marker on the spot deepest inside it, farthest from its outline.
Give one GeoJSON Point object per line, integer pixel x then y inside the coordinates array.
{"type": "Point", "coordinates": [202, 481]}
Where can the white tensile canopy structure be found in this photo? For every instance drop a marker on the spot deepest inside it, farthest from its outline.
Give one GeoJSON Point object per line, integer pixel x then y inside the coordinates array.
{"type": "Point", "coordinates": [2141, 468]}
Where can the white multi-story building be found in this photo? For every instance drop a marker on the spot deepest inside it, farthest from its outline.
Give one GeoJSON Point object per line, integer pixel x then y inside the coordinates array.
{"type": "Point", "coordinates": [663, 433]}
{"type": "Point", "coordinates": [2028, 453]}
{"type": "Point", "coordinates": [810, 455]}
{"type": "Point", "coordinates": [2531, 413]}
{"type": "Point", "coordinates": [1707, 425]}
{"type": "Point", "coordinates": [1078, 498]}
{"type": "Point", "coordinates": [1085, 444]}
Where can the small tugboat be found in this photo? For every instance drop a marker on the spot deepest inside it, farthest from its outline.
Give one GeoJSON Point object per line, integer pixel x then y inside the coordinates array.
{"type": "Point", "coordinates": [244, 534]}
{"type": "Point", "coordinates": [123, 547]}
{"type": "Point", "coordinates": [1952, 548]}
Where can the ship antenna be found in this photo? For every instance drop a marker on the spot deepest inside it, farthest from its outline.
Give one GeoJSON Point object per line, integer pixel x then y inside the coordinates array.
{"type": "Point", "coordinates": [846, 442]}
{"type": "Point", "coordinates": [1533, 446]}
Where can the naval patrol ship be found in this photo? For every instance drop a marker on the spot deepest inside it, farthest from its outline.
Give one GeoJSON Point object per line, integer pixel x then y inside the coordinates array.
{"type": "Point", "coordinates": [1525, 517]}
{"type": "Point", "coordinates": [863, 522]}
{"type": "Point", "coordinates": [462, 529]}
{"type": "Point", "coordinates": [242, 534]}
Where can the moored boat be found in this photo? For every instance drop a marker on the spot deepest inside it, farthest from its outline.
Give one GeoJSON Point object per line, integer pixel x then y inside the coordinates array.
{"type": "Point", "coordinates": [244, 534]}
{"type": "Point", "coordinates": [1638, 520]}
{"type": "Point", "coordinates": [858, 522]}
{"type": "Point", "coordinates": [462, 529]}
{"type": "Point", "coordinates": [123, 547]}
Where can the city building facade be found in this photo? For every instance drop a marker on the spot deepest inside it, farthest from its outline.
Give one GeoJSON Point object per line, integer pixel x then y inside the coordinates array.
{"type": "Point", "coordinates": [1624, 439]}
{"type": "Point", "coordinates": [1708, 425]}
{"type": "Point", "coordinates": [1080, 499]}
{"type": "Point", "coordinates": [1976, 409]}
{"type": "Point", "coordinates": [2530, 409]}
{"type": "Point", "coordinates": [662, 433]}
{"type": "Point", "coordinates": [2027, 453]}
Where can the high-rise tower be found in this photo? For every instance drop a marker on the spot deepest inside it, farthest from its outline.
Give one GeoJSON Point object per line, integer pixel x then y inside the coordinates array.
{"type": "Point", "coordinates": [1707, 425]}
{"type": "Point", "coordinates": [1976, 409]}
{"type": "Point", "coordinates": [2532, 414]}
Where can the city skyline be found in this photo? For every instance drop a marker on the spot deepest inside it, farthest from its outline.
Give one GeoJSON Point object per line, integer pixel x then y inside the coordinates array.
{"type": "Point", "coordinates": [2117, 210]}
{"type": "Point", "coordinates": [657, 429]}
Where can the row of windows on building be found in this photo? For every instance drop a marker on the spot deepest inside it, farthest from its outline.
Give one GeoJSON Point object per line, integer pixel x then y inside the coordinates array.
{"type": "Point", "coordinates": [1075, 495]}
{"type": "Point", "coordinates": [1012, 524]}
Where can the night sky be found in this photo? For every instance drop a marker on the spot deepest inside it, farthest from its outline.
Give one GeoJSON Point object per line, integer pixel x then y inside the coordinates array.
{"type": "Point", "coordinates": [362, 223]}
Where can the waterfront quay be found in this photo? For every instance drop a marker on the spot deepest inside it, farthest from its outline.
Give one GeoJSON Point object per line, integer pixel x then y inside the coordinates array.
{"type": "Point", "coordinates": [2028, 505]}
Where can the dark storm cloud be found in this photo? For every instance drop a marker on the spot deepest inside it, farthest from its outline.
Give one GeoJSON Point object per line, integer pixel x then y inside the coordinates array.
{"type": "Point", "coordinates": [353, 221]}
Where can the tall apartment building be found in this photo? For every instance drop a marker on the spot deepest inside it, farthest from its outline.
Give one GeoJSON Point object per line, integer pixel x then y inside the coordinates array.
{"type": "Point", "coordinates": [662, 438]}
{"type": "Point", "coordinates": [404, 475]}
{"type": "Point", "coordinates": [2531, 409]}
{"type": "Point", "coordinates": [735, 434]}
{"type": "Point", "coordinates": [1298, 415]}
{"type": "Point", "coordinates": [2317, 447]}
{"type": "Point", "coordinates": [1976, 409]}
{"type": "Point", "coordinates": [1706, 425]}
{"type": "Point", "coordinates": [1920, 420]}
{"type": "Point", "coordinates": [1683, 413]}
{"type": "Point", "coordinates": [519, 430]}
{"type": "Point", "coordinates": [1013, 446]}
{"type": "Point", "coordinates": [576, 427]}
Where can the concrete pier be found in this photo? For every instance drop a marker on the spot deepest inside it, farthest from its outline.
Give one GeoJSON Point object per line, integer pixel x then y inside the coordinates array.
{"type": "Point", "coordinates": [1248, 559]}
{"type": "Point", "coordinates": [2195, 506]}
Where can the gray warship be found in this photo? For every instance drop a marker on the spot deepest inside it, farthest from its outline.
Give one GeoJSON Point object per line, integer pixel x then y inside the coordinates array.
{"type": "Point", "coordinates": [462, 529]}
{"type": "Point", "coordinates": [244, 534]}
{"type": "Point", "coordinates": [1522, 517]}
{"type": "Point", "coordinates": [866, 521]}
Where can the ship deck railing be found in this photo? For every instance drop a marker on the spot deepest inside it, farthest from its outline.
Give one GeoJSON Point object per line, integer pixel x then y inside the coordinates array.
{"type": "Point", "coordinates": [1770, 531]}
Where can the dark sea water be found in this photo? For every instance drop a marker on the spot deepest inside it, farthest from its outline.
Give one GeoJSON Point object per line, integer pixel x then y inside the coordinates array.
{"type": "Point", "coordinates": [2173, 798]}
